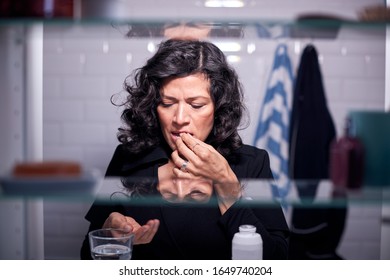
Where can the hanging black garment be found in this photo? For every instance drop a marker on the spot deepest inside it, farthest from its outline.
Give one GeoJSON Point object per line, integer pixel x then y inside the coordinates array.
{"type": "Point", "coordinates": [315, 231]}
{"type": "Point", "coordinates": [311, 128]}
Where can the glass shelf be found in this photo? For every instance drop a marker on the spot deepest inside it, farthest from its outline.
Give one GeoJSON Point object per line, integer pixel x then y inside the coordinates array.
{"type": "Point", "coordinates": [302, 193]}
{"type": "Point", "coordinates": [225, 28]}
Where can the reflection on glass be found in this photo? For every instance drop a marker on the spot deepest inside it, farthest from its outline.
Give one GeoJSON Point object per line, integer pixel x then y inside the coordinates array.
{"type": "Point", "coordinates": [171, 190]}
{"type": "Point", "coordinates": [184, 190]}
{"type": "Point", "coordinates": [185, 30]}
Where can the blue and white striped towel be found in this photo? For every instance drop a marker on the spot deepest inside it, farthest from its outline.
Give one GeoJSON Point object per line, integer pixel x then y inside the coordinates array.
{"type": "Point", "coordinates": [272, 131]}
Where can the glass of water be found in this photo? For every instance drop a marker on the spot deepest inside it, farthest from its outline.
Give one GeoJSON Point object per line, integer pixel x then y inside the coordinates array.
{"type": "Point", "coordinates": [111, 244]}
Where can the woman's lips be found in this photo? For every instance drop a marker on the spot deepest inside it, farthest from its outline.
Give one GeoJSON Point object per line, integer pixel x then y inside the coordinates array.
{"type": "Point", "coordinates": [176, 135]}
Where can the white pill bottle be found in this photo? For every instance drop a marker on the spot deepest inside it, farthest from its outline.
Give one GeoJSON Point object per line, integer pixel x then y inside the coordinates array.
{"type": "Point", "coordinates": [247, 244]}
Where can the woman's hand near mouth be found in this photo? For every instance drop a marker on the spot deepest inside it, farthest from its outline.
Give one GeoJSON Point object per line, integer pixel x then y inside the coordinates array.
{"type": "Point", "coordinates": [201, 160]}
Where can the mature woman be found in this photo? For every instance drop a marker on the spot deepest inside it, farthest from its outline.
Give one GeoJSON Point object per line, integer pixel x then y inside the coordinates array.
{"type": "Point", "coordinates": [181, 120]}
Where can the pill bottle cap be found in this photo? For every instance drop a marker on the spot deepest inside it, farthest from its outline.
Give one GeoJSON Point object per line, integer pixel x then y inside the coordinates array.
{"type": "Point", "coordinates": [247, 228]}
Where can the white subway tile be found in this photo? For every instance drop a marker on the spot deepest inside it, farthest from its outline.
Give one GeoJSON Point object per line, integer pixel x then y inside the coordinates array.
{"type": "Point", "coordinates": [63, 64]}
{"type": "Point", "coordinates": [89, 45]}
{"type": "Point", "coordinates": [102, 111]}
{"type": "Point", "coordinates": [84, 87]}
{"type": "Point", "coordinates": [343, 66]}
{"type": "Point", "coordinates": [362, 45]}
{"type": "Point", "coordinates": [52, 44]}
{"type": "Point", "coordinates": [333, 89]}
{"type": "Point", "coordinates": [61, 152]}
{"type": "Point", "coordinates": [51, 87]}
{"type": "Point", "coordinates": [62, 248]}
{"type": "Point", "coordinates": [364, 90]}
{"type": "Point", "coordinates": [63, 110]}
{"type": "Point", "coordinates": [59, 207]}
{"type": "Point", "coordinates": [351, 250]}
{"type": "Point", "coordinates": [51, 133]}
{"type": "Point", "coordinates": [83, 133]}
{"type": "Point", "coordinates": [99, 156]}
{"type": "Point", "coordinates": [79, 225]}
{"type": "Point", "coordinates": [375, 66]}
{"type": "Point", "coordinates": [107, 64]}
{"type": "Point", "coordinates": [53, 222]}
{"type": "Point", "coordinates": [372, 250]}
{"type": "Point", "coordinates": [362, 229]}
{"type": "Point", "coordinates": [81, 31]}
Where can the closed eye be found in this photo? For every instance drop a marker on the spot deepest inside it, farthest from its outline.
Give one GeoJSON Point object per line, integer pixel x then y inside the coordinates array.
{"type": "Point", "coordinates": [197, 106]}
{"type": "Point", "coordinates": [166, 105]}
{"type": "Point", "coordinates": [199, 196]}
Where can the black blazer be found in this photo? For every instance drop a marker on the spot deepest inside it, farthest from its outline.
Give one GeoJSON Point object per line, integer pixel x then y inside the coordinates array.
{"type": "Point", "coordinates": [192, 232]}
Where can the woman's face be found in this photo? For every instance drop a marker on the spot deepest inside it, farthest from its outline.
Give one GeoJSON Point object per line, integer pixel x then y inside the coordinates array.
{"type": "Point", "coordinates": [186, 107]}
{"type": "Point", "coordinates": [185, 190]}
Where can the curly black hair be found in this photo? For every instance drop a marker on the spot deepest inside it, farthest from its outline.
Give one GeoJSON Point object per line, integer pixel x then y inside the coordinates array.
{"type": "Point", "coordinates": [180, 58]}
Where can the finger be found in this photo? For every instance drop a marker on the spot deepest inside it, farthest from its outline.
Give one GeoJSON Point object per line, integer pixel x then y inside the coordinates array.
{"type": "Point", "coordinates": [132, 223]}
{"type": "Point", "coordinates": [180, 174]}
{"type": "Point", "coordinates": [180, 162]}
{"type": "Point", "coordinates": [190, 141]}
{"type": "Point", "coordinates": [153, 227]}
{"type": "Point", "coordinates": [115, 220]}
{"type": "Point", "coordinates": [118, 223]}
{"type": "Point", "coordinates": [196, 146]}
{"type": "Point", "coordinates": [192, 167]}
{"type": "Point", "coordinates": [156, 225]}
{"type": "Point", "coordinates": [183, 149]}
{"type": "Point", "coordinates": [142, 234]}
{"type": "Point", "coordinates": [138, 236]}
{"type": "Point", "coordinates": [190, 148]}
{"type": "Point", "coordinates": [184, 165]}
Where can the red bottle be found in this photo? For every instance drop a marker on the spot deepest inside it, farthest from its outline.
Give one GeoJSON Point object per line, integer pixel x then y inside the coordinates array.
{"type": "Point", "coordinates": [347, 160]}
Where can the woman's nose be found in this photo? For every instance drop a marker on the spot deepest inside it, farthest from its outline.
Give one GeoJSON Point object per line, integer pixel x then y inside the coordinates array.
{"type": "Point", "coordinates": [182, 189]}
{"type": "Point", "coordinates": [181, 115]}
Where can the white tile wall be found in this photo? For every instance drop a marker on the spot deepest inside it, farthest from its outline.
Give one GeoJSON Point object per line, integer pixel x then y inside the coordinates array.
{"type": "Point", "coordinates": [85, 65]}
